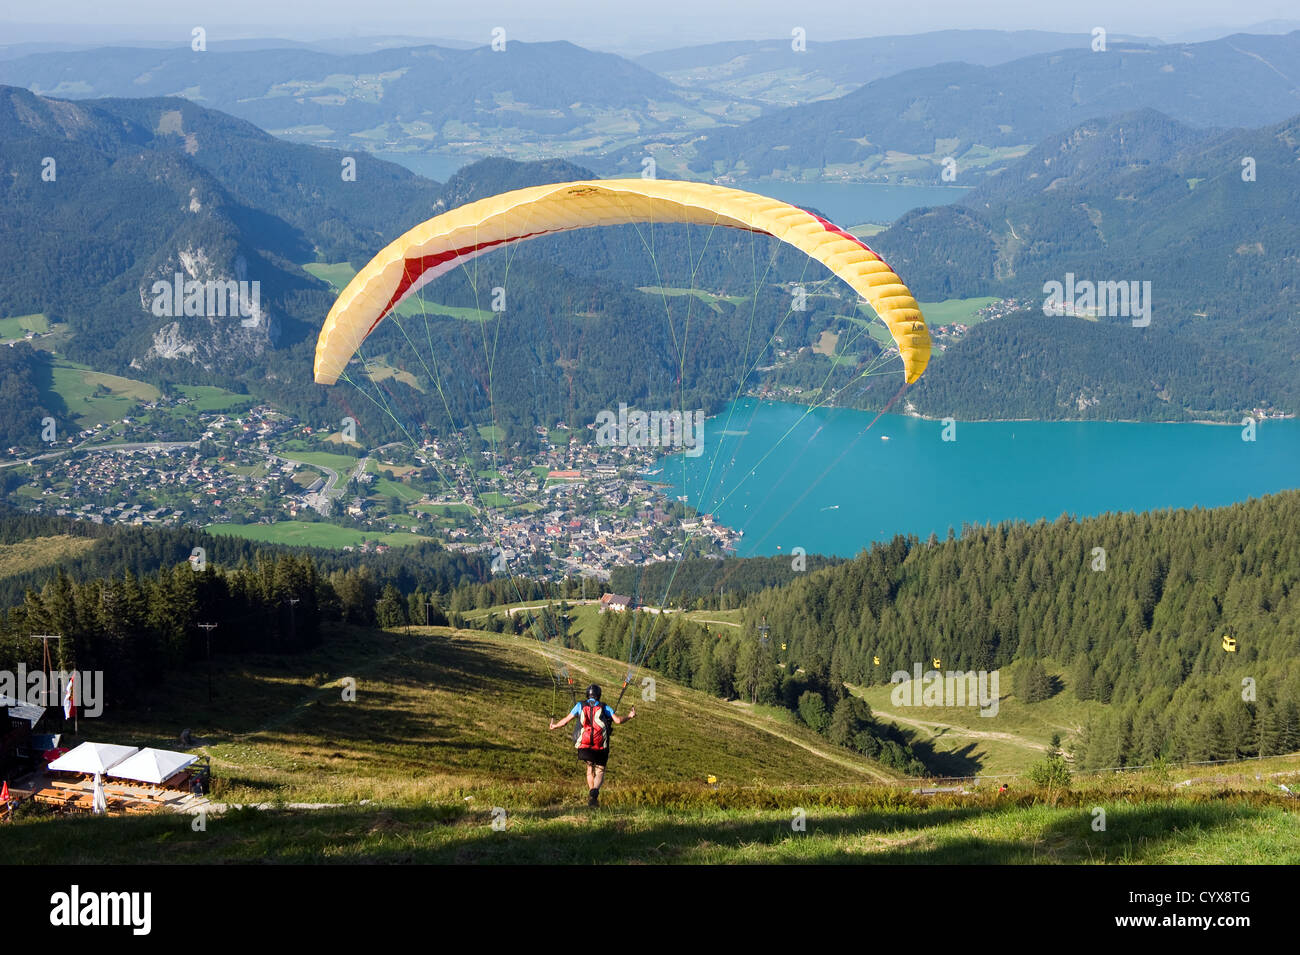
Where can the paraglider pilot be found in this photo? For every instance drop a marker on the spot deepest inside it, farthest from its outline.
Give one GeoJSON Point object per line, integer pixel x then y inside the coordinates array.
{"type": "Point", "coordinates": [597, 720]}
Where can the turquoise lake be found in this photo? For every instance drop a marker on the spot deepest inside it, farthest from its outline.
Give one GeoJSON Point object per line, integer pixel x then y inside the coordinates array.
{"type": "Point", "coordinates": [789, 478]}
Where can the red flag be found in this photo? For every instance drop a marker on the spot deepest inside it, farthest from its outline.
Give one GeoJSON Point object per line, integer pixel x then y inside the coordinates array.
{"type": "Point", "coordinates": [4, 792]}
{"type": "Point", "coordinates": [69, 707]}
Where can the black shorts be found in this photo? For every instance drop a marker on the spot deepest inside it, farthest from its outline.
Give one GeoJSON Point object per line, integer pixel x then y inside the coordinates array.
{"type": "Point", "coordinates": [598, 756]}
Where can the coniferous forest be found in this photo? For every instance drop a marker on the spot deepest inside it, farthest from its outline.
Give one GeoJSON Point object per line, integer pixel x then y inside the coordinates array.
{"type": "Point", "coordinates": [1131, 611]}
{"type": "Point", "coordinates": [1144, 635]}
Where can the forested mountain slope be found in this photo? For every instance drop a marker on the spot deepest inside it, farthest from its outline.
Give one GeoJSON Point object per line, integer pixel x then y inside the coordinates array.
{"type": "Point", "coordinates": [1144, 635]}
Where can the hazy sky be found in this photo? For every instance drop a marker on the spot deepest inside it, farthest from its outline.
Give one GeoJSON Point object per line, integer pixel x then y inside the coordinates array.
{"type": "Point", "coordinates": [621, 24]}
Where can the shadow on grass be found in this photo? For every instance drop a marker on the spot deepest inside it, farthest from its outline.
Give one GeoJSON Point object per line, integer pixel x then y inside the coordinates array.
{"type": "Point", "coordinates": [572, 834]}
{"type": "Point", "coordinates": [251, 694]}
{"type": "Point", "coordinates": [1134, 834]}
{"type": "Point", "coordinates": [959, 762]}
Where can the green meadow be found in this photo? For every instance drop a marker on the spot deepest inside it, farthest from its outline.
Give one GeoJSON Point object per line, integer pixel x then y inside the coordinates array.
{"type": "Point", "coordinates": [311, 534]}
{"type": "Point", "coordinates": [432, 746]}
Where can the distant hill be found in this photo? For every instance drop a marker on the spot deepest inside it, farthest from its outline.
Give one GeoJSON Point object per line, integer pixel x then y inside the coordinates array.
{"type": "Point", "coordinates": [1136, 198]}
{"type": "Point", "coordinates": [774, 72]}
{"type": "Point", "coordinates": [354, 44]}
{"type": "Point", "coordinates": [162, 186]}
{"type": "Point", "coordinates": [145, 189]}
{"type": "Point", "coordinates": [493, 176]}
{"type": "Point", "coordinates": [984, 116]}
{"type": "Point", "coordinates": [529, 100]}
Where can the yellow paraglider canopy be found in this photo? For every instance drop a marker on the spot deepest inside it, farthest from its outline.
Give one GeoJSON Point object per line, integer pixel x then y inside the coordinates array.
{"type": "Point", "coordinates": [446, 241]}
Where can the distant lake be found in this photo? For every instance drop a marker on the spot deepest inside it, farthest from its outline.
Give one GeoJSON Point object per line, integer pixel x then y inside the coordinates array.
{"type": "Point", "coordinates": [440, 168]}
{"type": "Point", "coordinates": [854, 203]}
{"type": "Point", "coordinates": [800, 495]}
{"type": "Point", "coordinates": [844, 203]}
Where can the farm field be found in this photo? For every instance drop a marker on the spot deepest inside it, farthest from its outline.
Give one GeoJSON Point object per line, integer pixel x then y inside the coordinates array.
{"type": "Point", "coordinates": [963, 310]}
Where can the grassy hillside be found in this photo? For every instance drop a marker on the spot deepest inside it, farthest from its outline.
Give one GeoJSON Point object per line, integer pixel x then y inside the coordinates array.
{"type": "Point", "coordinates": [709, 828]}
{"type": "Point", "coordinates": [437, 710]}
{"type": "Point", "coordinates": [959, 741]}
{"type": "Point", "coordinates": [584, 619]}
{"type": "Point", "coordinates": [37, 552]}
{"type": "Point", "coordinates": [447, 733]}
{"type": "Point", "coordinates": [18, 326]}
{"type": "Point", "coordinates": [93, 397]}
{"type": "Point", "coordinates": [311, 534]}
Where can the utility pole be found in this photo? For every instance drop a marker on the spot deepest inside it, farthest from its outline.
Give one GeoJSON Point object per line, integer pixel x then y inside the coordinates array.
{"type": "Point", "coordinates": [207, 629]}
{"type": "Point", "coordinates": [47, 662]}
{"type": "Point", "coordinates": [293, 620]}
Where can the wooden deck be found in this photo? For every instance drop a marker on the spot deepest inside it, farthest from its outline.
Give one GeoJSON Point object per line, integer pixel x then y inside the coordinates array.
{"type": "Point", "coordinates": [121, 797]}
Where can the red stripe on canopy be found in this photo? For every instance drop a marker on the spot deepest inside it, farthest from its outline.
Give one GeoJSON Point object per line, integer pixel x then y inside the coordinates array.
{"type": "Point", "coordinates": [417, 267]}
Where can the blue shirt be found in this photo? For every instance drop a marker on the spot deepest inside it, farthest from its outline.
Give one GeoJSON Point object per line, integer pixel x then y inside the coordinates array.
{"type": "Point", "coordinates": [609, 713]}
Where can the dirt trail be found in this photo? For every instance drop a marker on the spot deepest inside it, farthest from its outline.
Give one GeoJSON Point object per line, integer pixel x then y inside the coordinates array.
{"type": "Point", "coordinates": [953, 730]}
{"type": "Point", "coordinates": [767, 726]}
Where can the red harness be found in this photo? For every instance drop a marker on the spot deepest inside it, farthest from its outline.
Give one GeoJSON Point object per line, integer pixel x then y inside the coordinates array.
{"type": "Point", "coordinates": [595, 731]}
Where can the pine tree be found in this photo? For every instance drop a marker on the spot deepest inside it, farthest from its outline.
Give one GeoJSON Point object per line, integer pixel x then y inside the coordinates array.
{"type": "Point", "coordinates": [390, 611]}
{"type": "Point", "coordinates": [1239, 730]}
{"type": "Point", "coordinates": [1217, 746]}
{"type": "Point", "coordinates": [1289, 728]}
{"type": "Point", "coordinates": [1033, 683]}
{"type": "Point", "coordinates": [1191, 735]}
{"type": "Point", "coordinates": [1270, 728]}
{"type": "Point", "coordinates": [1081, 677]}
{"type": "Point", "coordinates": [812, 710]}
